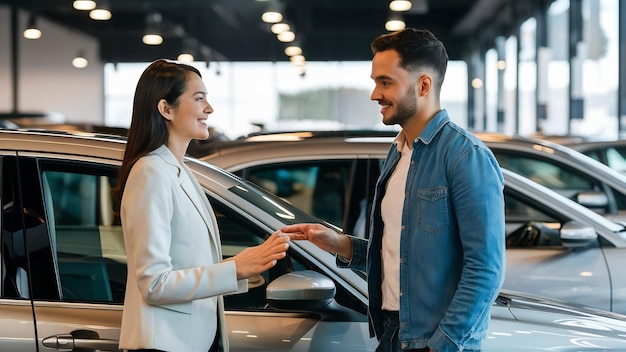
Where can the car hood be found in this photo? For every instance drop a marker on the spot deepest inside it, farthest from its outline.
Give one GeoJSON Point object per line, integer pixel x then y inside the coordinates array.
{"type": "Point", "coordinates": [522, 322]}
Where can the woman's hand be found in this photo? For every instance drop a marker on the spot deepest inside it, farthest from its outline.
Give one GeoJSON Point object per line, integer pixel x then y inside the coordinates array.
{"type": "Point", "coordinates": [255, 260]}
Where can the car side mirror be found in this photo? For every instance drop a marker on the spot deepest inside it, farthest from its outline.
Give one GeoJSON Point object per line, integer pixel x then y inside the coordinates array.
{"type": "Point", "coordinates": [593, 200]}
{"type": "Point", "coordinates": [300, 290]}
{"type": "Point", "coordinates": [577, 235]}
{"type": "Point", "coordinates": [310, 292]}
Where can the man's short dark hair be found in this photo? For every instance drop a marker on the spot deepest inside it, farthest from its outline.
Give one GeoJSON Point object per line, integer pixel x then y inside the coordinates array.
{"type": "Point", "coordinates": [418, 48]}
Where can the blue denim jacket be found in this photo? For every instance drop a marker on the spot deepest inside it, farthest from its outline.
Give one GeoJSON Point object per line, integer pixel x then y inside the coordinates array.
{"type": "Point", "coordinates": [452, 240]}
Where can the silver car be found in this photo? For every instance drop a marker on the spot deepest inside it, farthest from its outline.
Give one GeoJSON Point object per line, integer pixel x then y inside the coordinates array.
{"type": "Point", "coordinates": [64, 264]}
{"type": "Point", "coordinates": [611, 153]}
{"type": "Point", "coordinates": [331, 176]}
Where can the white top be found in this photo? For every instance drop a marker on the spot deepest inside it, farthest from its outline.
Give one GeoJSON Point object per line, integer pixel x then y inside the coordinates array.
{"type": "Point", "coordinates": [391, 211]}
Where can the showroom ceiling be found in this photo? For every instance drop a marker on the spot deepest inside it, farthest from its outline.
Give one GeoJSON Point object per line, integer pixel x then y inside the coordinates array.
{"type": "Point", "coordinates": [232, 30]}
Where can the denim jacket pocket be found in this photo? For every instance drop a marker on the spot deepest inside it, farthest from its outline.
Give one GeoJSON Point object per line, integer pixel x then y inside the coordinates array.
{"type": "Point", "coordinates": [432, 207]}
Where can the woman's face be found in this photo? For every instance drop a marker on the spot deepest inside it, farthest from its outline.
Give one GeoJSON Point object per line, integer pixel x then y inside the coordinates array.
{"type": "Point", "coordinates": [188, 120]}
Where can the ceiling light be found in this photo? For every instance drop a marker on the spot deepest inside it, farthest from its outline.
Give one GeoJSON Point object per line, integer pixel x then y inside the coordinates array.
{"type": "Point", "coordinates": [293, 50]}
{"type": "Point", "coordinates": [273, 12]}
{"type": "Point", "coordinates": [31, 31]}
{"type": "Point", "coordinates": [80, 61]}
{"type": "Point", "coordinates": [272, 17]}
{"type": "Point", "coordinates": [152, 39]}
{"type": "Point", "coordinates": [101, 13]}
{"type": "Point", "coordinates": [286, 37]}
{"type": "Point", "coordinates": [395, 23]}
{"type": "Point", "coordinates": [152, 35]}
{"type": "Point", "coordinates": [190, 46]}
{"type": "Point", "coordinates": [477, 83]}
{"type": "Point", "coordinates": [185, 57]}
{"type": "Point", "coordinates": [84, 4]}
{"type": "Point", "coordinates": [400, 5]}
{"type": "Point", "coordinates": [278, 28]}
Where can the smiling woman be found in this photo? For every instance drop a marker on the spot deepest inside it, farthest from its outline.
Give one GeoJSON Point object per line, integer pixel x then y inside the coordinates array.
{"type": "Point", "coordinates": [176, 275]}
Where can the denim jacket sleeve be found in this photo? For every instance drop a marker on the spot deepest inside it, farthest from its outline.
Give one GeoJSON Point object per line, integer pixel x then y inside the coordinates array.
{"type": "Point", "coordinates": [359, 254]}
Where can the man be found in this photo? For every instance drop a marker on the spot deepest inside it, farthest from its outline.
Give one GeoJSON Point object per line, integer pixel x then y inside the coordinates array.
{"type": "Point", "coordinates": [435, 255]}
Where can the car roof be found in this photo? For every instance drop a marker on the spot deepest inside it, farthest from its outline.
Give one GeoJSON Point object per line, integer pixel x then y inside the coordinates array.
{"type": "Point", "coordinates": [64, 142]}
{"type": "Point", "coordinates": [590, 145]}
{"type": "Point", "coordinates": [370, 141]}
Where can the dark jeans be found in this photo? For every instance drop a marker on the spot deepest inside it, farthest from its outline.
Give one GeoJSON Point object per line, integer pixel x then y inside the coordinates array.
{"type": "Point", "coordinates": [389, 341]}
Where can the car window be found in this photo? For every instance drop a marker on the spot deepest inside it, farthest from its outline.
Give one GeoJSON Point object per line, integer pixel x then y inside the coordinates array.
{"type": "Point", "coordinates": [528, 226]}
{"type": "Point", "coordinates": [86, 235]}
{"type": "Point", "coordinates": [616, 158]}
{"type": "Point", "coordinates": [237, 234]}
{"type": "Point", "coordinates": [318, 187]}
{"type": "Point", "coordinates": [547, 173]}
{"type": "Point", "coordinates": [87, 240]}
{"type": "Point", "coordinates": [564, 180]}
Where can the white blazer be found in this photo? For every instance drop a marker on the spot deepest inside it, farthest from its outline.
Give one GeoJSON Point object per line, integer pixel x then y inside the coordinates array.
{"type": "Point", "coordinates": [175, 275]}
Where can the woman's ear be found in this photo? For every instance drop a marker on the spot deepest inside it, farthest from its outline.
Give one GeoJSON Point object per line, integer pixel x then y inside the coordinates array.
{"type": "Point", "coordinates": [164, 109]}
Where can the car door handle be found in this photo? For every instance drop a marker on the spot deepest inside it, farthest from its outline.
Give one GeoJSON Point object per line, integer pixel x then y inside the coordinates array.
{"type": "Point", "coordinates": [69, 343]}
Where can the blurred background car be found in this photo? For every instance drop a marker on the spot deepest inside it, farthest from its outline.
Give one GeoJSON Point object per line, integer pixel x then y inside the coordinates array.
{"type": "Point", "coordinates": [557, 167]}
{"type": "Point", "coordinates": [611, 153]}
{"type": "Point", "coordinates": [196, 148]}
{"type": "Point", "coordinates": [331, 176]}
{"type": "Point", "coordinates": [64, 264]}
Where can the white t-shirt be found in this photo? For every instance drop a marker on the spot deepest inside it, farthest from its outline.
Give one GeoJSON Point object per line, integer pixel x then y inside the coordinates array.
{"type": "Point", "coordinates": [391, 211]}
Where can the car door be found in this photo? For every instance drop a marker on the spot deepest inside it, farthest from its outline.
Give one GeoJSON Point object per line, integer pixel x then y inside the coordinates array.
{"type": "Point", "coordinates": [537, 262]}
{"type": "Point", "coordinates": [255, 326]}
{"type": "Point", "coordinates": [17, 328]}
{"type": "Point", "coordinates": [79, 265]}
{"type": "Point", "coordinates": [78, 270]}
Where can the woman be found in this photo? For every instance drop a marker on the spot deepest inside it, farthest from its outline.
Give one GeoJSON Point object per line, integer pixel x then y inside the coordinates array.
{"type": "Point", "coordinates": [175, 273]}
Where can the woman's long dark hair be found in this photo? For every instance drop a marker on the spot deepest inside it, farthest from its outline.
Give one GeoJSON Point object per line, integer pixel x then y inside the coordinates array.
{"type": "Point", "coordinates": [162, 79]}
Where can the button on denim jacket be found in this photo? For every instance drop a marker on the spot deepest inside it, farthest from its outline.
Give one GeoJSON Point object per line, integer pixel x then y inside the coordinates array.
{"type": "Point", "coordinates": [451, 242]}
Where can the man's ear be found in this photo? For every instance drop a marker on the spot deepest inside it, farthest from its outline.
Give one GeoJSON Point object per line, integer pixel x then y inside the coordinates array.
{"type": "Point", "coordinates": [424, 85]}
{"type": "Point", "coordinates": [164, 109]}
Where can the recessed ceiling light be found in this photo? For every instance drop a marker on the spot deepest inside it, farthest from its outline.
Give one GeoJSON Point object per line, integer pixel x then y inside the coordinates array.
{"type": "Point", "coordinates": [400, 5]}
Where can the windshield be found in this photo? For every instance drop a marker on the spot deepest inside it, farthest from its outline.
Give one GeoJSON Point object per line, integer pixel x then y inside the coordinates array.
{"type": "Point", "coordinates": [270, 203]}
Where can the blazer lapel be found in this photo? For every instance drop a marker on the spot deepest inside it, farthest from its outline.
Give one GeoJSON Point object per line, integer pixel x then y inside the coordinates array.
{"type": "Point", "coordinates": [196, 195]}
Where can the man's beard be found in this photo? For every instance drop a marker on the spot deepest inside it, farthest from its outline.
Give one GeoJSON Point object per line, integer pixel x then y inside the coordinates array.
{"type": "Point", "coordinates": [406, 108]}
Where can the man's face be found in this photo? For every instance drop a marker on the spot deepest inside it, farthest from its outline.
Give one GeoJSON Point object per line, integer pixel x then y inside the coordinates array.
{"type": "Point", "coordinates": [394, 88]}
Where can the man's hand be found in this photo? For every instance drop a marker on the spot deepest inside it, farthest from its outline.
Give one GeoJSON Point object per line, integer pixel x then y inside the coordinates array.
{"type": "Point", "coordinates": [322, 236]}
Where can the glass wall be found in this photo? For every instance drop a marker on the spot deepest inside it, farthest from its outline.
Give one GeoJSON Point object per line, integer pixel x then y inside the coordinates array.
{"type": "Point", "coordinates": [556, 57]}
{"type": "Point", "coordinates": [598, 59]}
{"type": "Point", "coordinates": [544, 81]}
{"type": "Point", "coordinates": [244, 95]}
{"type": "Point", "coordinates": [491, 89]}
{"type": "Point", "coordinates": [510, 86]}
{"type": "Point", "coordinates": [528, 77]}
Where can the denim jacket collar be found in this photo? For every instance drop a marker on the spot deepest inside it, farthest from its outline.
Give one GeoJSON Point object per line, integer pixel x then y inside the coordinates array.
{"type": "Point", "coordinates": [430, 131]}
